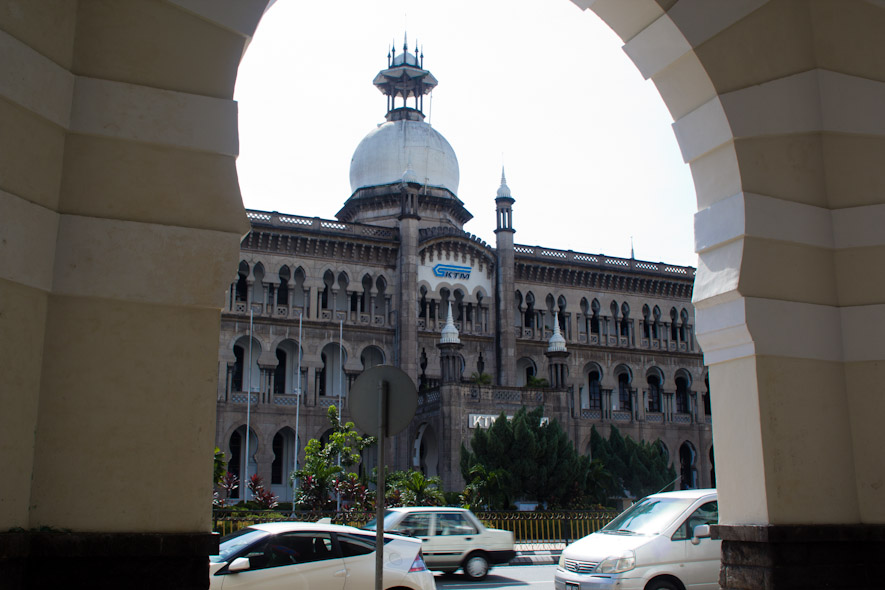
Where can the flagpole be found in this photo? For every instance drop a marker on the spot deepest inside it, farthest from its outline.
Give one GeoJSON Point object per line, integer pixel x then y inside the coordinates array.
{"type": "Point", "coordinates": [245, 482]}
{"type": "Point", "coordinates": [297, 411]}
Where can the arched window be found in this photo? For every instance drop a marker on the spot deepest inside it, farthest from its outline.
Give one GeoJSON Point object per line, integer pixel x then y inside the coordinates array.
{"type": "Point", "coordinates": [283, 288]}
{"type": "Point", "coordinates": [341, 300]}
{"type": "Point", "coordinates": [688, 472]}
{"type": "Point", "coordinates": [326, 293]}
{"type": "Point", "coordinates": [682, 394]}
{"type": "Point", "coordinates": [331, 378]}
{"type": "Point", "coordinates": [243, 372]}
{"type": "Point", "coordinates": [683, 326]}
{"type": "Point", "coordinates": [594, 391]}
{"type": "Point", "coordinates": [625, 401]}
{"type": "Point", "coordinates": [525, 370]}
{"type": "Point", "coordinates": [656, 313]}
{"type": "Point", "coordinates": [258, 284]}
{"type": "Point", "coordinates": [654, 393]}
{"type": "Point", "coordinates": [594, 319]}
{"type": "Point", "coordinates": [625, 320]}
{"type": "Point", "coordinates": [372, 356]}
{"type": "Point", "coordinates": [422, 303]}
{"type": "Point", "coordinates": [458, 306]}
{"type": "Point", "coordinates": [708, 411]}
{"type": "Point", "coordinates": [674, 325]}
{"type": "Point", "coordinates": [380, 297]}
{"type": "Point", "coordinates": [529, 321]}
{"type": "Point", "coordinates": [241, 292]}
{"type": "Point", "coordinates": [286, 371]}
{"type": "Point", "coordinates": [646, 327]}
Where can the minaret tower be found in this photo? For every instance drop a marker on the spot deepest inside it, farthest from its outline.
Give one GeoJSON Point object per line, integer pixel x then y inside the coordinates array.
{"type": "Point", "coordinates": [557, 357]}
{"type": "Point", "coordinates": [449, 351]}
{"type": "Point", "coordinates": [505, 334]}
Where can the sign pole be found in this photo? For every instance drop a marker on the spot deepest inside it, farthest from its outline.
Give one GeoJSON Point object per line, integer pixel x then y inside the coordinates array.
{"type": "Point", "coordinates": [383, 388]}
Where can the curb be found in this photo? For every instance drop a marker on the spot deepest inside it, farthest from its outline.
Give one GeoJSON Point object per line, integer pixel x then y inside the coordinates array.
{"type": "Point", "coordinates": [536, 558]}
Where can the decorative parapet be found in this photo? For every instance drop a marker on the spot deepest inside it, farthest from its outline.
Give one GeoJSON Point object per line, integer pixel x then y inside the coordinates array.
{"type": "Point", "coordinates": [601, 260]}
{"type": "Point", "coordinates": [278, 220]}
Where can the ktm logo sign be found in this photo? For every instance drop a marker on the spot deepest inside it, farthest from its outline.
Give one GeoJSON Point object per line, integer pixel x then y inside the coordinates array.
{"type": "Point", "coordinates": [448, 271]}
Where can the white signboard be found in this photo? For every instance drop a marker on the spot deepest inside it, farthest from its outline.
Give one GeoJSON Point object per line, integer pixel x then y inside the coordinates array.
{"type": "Point", "coordinates": [454, 274]}
{"type": "Point", "coordinates": [486, 420]}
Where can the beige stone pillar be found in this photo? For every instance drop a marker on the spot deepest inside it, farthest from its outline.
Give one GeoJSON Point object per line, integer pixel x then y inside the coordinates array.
{"type": "Point", "coordinates": [117, 182]}
{"type": "Point", "coordinates": [786, 153]}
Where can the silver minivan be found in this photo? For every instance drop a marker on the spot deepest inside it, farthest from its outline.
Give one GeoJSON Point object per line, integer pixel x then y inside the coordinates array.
{"type": "Point", "coordinates": [662, 542]}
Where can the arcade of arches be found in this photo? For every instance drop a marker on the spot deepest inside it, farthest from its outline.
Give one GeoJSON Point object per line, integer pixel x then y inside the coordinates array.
{"type": "Point", "coordinates": [121, 220]}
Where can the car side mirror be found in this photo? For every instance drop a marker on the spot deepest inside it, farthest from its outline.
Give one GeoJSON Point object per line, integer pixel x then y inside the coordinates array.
{"type": "Point", "coordinates": [240, 564]}
{"type": "Point", "coordinates": [702, 531]}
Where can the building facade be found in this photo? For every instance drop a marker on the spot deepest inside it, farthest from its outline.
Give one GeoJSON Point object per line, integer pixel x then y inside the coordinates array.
{"type": "Point", "coordinates": [395, 279]}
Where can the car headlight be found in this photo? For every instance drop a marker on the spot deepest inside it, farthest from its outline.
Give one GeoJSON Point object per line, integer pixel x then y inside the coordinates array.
{"type": "Point", "coordinates": [616, 564]}
{"type": "Point", "coordinates": [561, 561]}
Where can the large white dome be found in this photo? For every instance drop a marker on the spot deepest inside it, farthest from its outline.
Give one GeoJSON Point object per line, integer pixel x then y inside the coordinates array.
{"type": "Point", "coordinates": [385, 153]}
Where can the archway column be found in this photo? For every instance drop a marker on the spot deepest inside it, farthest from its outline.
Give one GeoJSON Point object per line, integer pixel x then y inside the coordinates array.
{"type": "Point", "coordinates": [778, 111]}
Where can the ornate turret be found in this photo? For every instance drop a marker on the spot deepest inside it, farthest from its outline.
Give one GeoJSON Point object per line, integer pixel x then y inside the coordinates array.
{"type": "Point", "coordinates": [557, 357]}
{"type": "Point", "coordinates": [406, 77]}
{"type": "Point", "coordinates": [449, 351]}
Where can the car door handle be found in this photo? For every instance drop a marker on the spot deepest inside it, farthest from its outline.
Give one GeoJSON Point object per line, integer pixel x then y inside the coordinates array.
{"type": "Point", "coordinates": [425, 538]}
{"type": "Point", "coordinates": [468, 538]}
{"type": "Point", "coordinates": [341, 573]}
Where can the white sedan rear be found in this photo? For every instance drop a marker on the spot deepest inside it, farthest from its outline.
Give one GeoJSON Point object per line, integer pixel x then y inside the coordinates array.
{"type": "Point", "coordinates": [316, 556]}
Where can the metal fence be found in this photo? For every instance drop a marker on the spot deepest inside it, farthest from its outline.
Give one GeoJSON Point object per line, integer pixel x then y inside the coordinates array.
{"type": "Point", "coordinates": [527, 527]}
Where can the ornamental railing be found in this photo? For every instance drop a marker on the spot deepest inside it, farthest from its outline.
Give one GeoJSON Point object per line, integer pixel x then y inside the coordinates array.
{"type": "Point", "coordinates": [528, 527]}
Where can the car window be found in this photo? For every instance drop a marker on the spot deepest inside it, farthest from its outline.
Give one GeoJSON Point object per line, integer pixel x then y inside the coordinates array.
{"type": "Point", "coordinates": [453, 523]}
{"type": "Point", "coordinates": [232, 544]}
{"type": "Point", "coordinates": [352, 545]}
{"type": "Point", "coordinates": [414, 525]}
{"type": "Point", "coordinates": [707, 513]}
{"type": "Point", "coordinates": [290, 549]}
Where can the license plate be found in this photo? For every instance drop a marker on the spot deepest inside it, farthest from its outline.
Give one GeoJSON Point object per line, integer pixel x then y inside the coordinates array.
{"type": "Point", "coordinates": [572, 586]}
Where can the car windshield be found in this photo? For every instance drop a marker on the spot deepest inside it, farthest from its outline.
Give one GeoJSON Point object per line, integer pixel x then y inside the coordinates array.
{"type": "Point", "coordinates": [648, 516]}
{"type": "Point", "coordinates": [390, 517]}
{"type": "Point", "coordinates": [235, 542]}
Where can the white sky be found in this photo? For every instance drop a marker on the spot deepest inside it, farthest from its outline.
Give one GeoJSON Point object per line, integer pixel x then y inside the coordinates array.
{"type": "Point", "coordinates": [537, 85]}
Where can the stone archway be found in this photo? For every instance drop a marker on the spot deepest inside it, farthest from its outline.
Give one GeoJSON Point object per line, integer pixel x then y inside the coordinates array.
{"type": "Point", "coordinates": [117, 180]}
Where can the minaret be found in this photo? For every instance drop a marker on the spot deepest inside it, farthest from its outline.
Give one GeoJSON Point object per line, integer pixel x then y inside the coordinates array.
{"type": "Point", "coordinates": [557, 357]}
{"type": "Point", "coordinates": [505, 324]}
{"type": "Point", "coordinates": [449, 351]}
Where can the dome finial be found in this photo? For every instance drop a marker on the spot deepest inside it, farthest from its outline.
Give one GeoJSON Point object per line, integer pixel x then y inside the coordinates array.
{"type": "Point", "coordinates": [449, 332]}
{"type": "Point", "coordinates": [409, 174]}
{"type": "Point", "coordinates": [503, 190]}
{"type": "Point", "coordinates": [556, 342]}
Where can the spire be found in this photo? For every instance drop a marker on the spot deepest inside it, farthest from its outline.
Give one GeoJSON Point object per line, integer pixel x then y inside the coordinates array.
{"type": "Point", "coordinates": [503, 190]}
{"type": "Point", "coordinates": [557, 342]}
{"type": "Point", "coordinates": [449, 332]}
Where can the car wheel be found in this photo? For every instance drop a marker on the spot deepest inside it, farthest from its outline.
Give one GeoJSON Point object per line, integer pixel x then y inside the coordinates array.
{"type": "Point", "coordinates": [661, 585]}
{"type": "Point", "coordinates": [476, 566]}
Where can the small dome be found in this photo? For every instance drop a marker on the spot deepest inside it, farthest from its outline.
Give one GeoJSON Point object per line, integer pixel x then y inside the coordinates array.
{"type": "Point", "coordinates": [449, 332]}
{"type": "Point", "coordinates": [556, 342]}
{"type": "Point", "coordinates": [384, 153]}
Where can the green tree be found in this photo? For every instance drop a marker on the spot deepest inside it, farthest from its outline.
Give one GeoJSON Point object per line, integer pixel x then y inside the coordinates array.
{"type": "Point", "coordinates": [413, 488]}
{"type": "Point", "coordinates": [524, 459]}
{"type": "Point", "coordinates": [325, 464]}
{"type": "Point", "coordinates": [637, 468]}
{"type": "Point", "coordinates": [219, 466]}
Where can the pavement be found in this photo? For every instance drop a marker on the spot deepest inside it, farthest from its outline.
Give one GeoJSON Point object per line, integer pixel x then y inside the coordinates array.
{"type": "Point", "coordinates": [537, 553]}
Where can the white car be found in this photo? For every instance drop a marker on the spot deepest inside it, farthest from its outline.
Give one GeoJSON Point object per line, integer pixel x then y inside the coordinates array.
{"type": "Point", "coordinates": [660, 543]}
{"type": "Point", "coordinates": [453, 538]}
{"type": "Point", "coordinates": [303, 555]}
